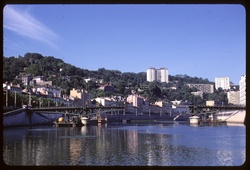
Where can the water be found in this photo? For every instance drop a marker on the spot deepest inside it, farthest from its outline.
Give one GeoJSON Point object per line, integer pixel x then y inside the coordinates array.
{"type": "Point", "coordinates": [143, 144]}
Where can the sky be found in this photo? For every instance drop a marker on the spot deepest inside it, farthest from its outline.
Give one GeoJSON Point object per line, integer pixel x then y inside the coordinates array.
{"type": "Point", "coordinates": [205, 41]}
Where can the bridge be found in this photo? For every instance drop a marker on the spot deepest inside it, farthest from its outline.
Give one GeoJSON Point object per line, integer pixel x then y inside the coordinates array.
{"type": "Point", "coordinates": [86, 111]}
{"type": "Point", "coordinates": [38, 116]}
{"type": "Point", "coordinates": [35, 116]}
{"type": "Point", "coordinates": [212, 109]}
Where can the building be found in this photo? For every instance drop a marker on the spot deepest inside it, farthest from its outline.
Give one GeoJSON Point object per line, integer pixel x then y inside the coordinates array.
{"type": "Point", "coordinates": [107, 101]}
{"type": "Point", "coordinates": [213, 103]}
{"type": "Point", "coordinates": [38, 78]}
{"type": "Point", "coordinates": [198, 93]}
{"type": "Point", "coordinates": [107, 88]}
{"type": "Point", "coordinates": [26, 80]}
{"type": "Point", "coordinates": [50, 91]}
{"type": "Point", "coordinates": [137, 101]}
{"type": "Point", "coordinates": [233, 97]}
{"type": "Point", "coordinates": [160, 75]}
{"type": "Point", "coordinates": [80, 97]}
{"type": "Point", "coordinates": [222, 82]}
{"type": "Point", "coordinates": [14, 88]}
{"type": "Point", "coordinates": [166, 107]}
{"type": "Point", "coordinates": [205, 88]}
{"type": "Point", "coordinates": [151, 74]}
{"type": "Point", "coordinates": [242, 84]}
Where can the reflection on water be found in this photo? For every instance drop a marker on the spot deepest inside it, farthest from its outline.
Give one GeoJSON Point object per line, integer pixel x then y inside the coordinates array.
{"type": "Point", "coordinates": [125, 145]}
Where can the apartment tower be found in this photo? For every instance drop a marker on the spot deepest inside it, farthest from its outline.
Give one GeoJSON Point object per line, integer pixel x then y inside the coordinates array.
{"type": "Point", "coordinates": [160, 75]}
{"type": "Point", "coordinates": [242, 84]}
{"type": "Point", "coordinates": [222, 82]}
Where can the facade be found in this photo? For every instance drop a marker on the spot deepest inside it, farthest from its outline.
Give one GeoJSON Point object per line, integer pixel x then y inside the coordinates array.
{"type": "Point", "coordinates": [233, 97]}
{"type": "Point", "coordinates": [222, 82]}
{"type": "Point", "coordinates": [160, 75]}
{"type": "Point", "coordinates": [107, 101]}
{"type": "Point", "coordinates": [80, 97]}
{"type": "Point", "coordinates": [155, 109]}
{"type": "Point", "coordinates": [163, 75]}
{"type": "Point", "coordinates": [205, 88]}
{"type": "Point", "coordinates": [137, 101]}
{"type": "Point", "coordinates": [107, 88]}
{"type": "Point", "coordinates": [166, 107]}
{"type": "Point", "coordinates": [198, 93]}
{"type": "Point", "coordinates": [242, 84]}
{"type": "Point", "coordinates": [179, 110]}
{"type": "Point", "coordinates": [39, 78]}
{"type": "Point", "coordinates": [50, 91]}
{"type": "Point", "coordinates": [151, 74]}
{"type": "Point", "coordinates": [26, 80]}
{"type": "Point", "coordinates": [14, 88]}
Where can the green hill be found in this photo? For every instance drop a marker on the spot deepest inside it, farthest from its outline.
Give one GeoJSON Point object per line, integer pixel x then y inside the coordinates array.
{"type": "Point", "coordinates": [67, 76]}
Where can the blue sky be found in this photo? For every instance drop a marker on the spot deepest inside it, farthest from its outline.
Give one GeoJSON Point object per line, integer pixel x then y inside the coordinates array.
{"type": "Point", "coordinates": [206, 41]}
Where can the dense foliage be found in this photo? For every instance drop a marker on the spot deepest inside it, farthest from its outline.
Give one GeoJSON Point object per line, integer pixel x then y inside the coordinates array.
{"type": "Point", "coordinates": [67, 76]}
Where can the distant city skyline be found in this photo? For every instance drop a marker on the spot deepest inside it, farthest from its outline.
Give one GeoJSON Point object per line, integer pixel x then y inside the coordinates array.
{"type": "Point", "coordinates": [205, 41]}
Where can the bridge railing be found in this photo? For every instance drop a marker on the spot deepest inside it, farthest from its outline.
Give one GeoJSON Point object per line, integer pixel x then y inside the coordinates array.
{"type": "Point", "coordinates": [75, 110]}
{"type": "Point", "coordinates": [208, 109]}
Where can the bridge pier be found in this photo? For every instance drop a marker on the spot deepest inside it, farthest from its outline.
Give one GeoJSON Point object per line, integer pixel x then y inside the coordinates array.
{"type": "Point", "coordinates": [29, 114]}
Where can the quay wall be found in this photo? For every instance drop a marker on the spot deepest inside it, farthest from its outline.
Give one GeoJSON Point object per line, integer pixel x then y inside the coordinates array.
{"type": "Point", "coordinates": [120, 118]}
{"type": "Point", "coordinates": [237, 118]}
{"type": "Point", "coordinates": [23, 118]}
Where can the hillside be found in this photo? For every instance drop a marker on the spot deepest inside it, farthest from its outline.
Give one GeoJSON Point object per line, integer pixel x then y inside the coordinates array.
{"type": "Point", "coordinates": [67, 76]}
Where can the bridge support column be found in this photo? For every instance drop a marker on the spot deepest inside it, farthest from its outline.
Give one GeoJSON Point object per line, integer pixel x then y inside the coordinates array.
{"type": "Point", "coordinates": [29, 114]}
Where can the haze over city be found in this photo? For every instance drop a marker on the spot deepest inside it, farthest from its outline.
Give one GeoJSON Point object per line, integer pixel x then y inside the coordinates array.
{"type": "Point", "coordinates": [206, 41]}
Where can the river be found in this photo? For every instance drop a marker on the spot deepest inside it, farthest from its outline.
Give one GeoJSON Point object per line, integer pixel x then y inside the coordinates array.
{"type": "Point", "coordinates": [130, 144]}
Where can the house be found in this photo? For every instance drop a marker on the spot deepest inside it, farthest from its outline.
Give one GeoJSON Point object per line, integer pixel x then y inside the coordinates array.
{"type": "Point", "coordinates": [14, 88]}
{"type": "Point", "coordinates": [80, 97]}
{"type": "Point", "coordinates": [136, 101]}
{"type": "Point", "coordinates": [107, 88]}
{"type": "Point", "coordinates": [26, 79]}
{"type": "Point", "coordinates": [48, 90]}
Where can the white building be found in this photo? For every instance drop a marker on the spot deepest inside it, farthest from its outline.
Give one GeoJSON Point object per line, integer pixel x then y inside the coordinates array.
{"type": "Point", "coordinates": [157, 75]}
{"type": "Point", "coordinates": [222, 82]}
{"type": "Point", "coordinates": [233, 97]}
{"type": "Point", "coordinates": [48, 90]}
{"type": "Point", "coordinates": [242, 84]}
{"type": "Point", "coordinates": [151, 74]}
{"type": "Point", "coordinates": [163, 76]}
{"type": "Point", "coordinates": [14, 88]}
{"type": "Point", "coordinates": [198, 93]}
{"type": "Point", "coordinates": [206, 88]}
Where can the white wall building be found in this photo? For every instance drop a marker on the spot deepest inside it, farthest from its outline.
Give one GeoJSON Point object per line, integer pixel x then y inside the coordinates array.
{"type": "Point", "coordinates": [163, 77]}
{"type": "Point", "coordinates": [206, 88]}
{"type": "Point", "coordinates": [222, 82]}
{"type": "Point", "coordinates": [151, 74]}
{"type": "Point", "coordinates": [233, 97]}
{"type": "Point", "coordinates": [242, 84]}
{"type": "Point", "coordinates": [157, 75]}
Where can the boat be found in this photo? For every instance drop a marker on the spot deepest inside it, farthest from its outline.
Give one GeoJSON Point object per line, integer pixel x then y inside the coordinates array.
{"type": "Point", "coordinates": [67, 122]}
{"type": "Point", "coordinates": [234, 116]}
{"type": "Point", "coordinates": [194, 119]}
{"type": "Point", "coordinates": [98, 120]}
{"type": "Point", "coordinates": [84, 120]}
